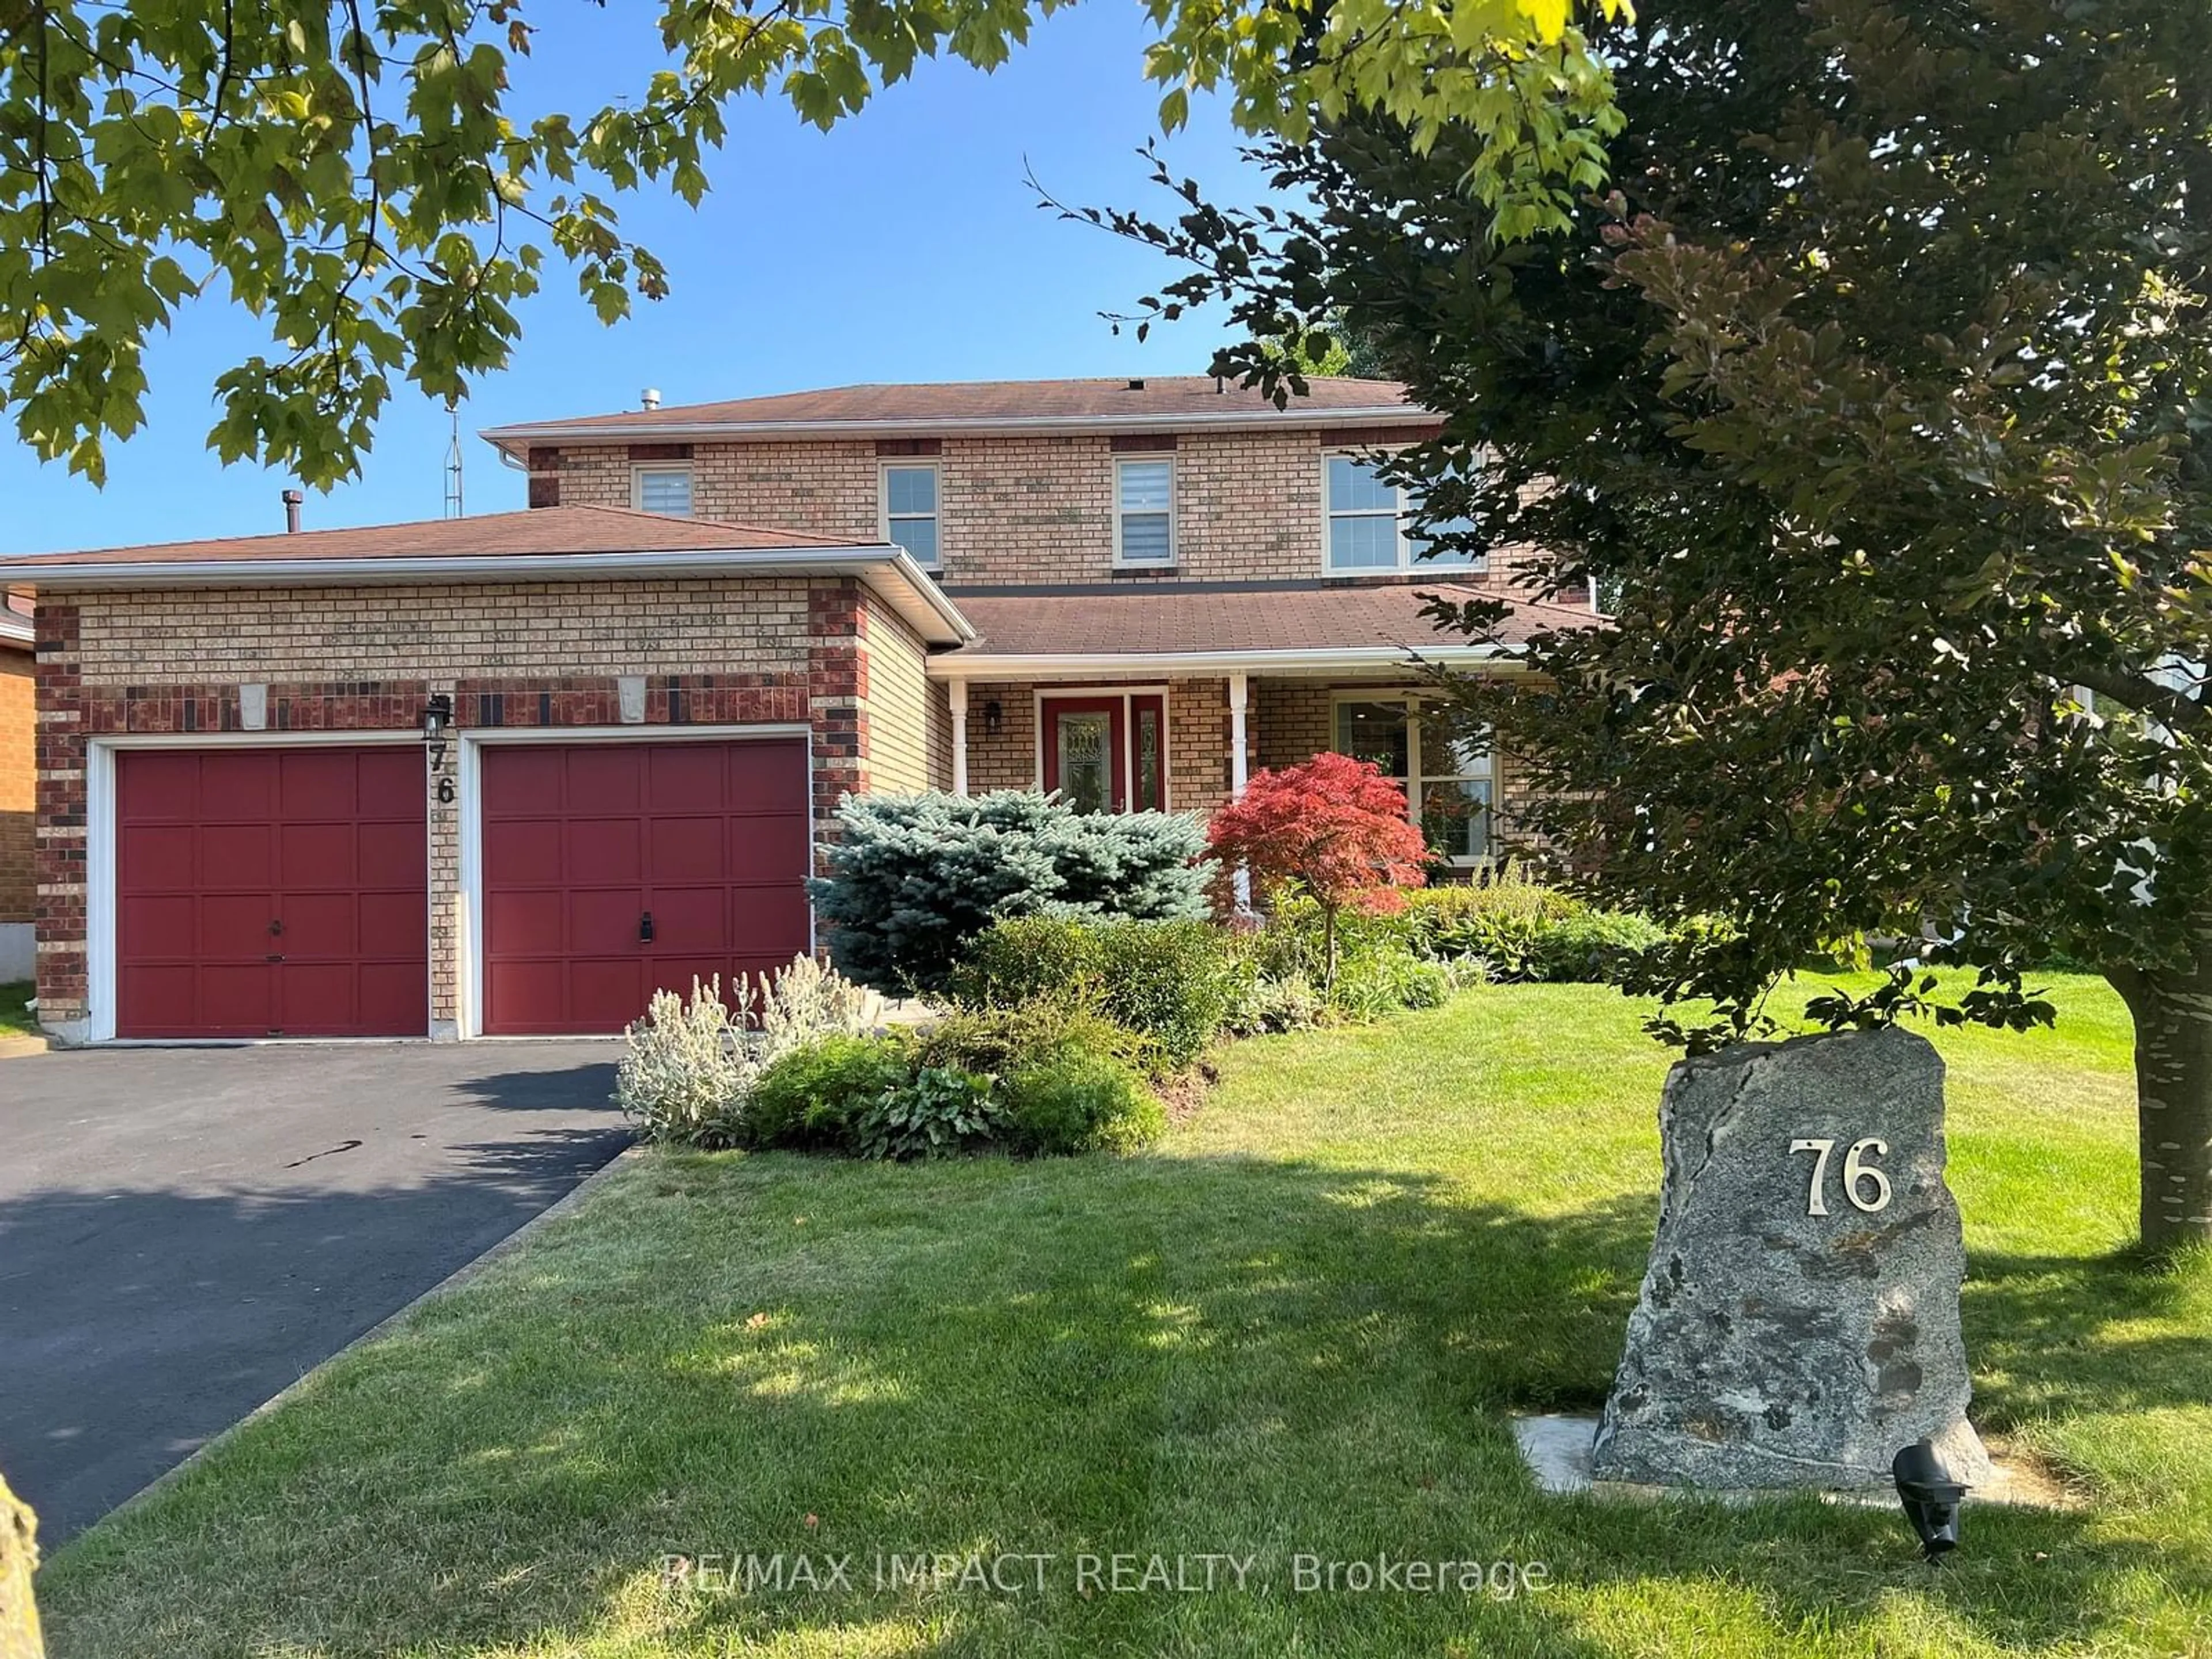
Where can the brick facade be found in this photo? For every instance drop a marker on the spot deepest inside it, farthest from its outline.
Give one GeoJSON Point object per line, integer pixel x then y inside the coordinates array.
{"type": "Point", "coordinates": [1014, 509]}
{"type": "Point", "coordinates": [712, 651]}
{"type": "Point", "coordinates": [18, 788]}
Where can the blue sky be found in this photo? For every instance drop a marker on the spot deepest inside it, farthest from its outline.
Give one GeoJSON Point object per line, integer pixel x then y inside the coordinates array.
{"type": "Point", "coordinates": [903, 246]}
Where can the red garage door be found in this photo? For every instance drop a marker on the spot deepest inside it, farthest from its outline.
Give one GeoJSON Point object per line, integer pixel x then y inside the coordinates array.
{"type": "Point", "coordinates": [612, 870]}
{"type": "Point", "coordinates": [271, 893]}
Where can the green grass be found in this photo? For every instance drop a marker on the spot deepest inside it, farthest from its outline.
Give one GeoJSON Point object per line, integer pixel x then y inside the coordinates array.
{"type": "Point", "coordinates": [16, 1018]}
{"type": "Point", "coordinates": [1299, 1327]}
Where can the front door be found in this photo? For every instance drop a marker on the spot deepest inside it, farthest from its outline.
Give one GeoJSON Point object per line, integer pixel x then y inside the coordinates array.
{"type": "Point", "coordinates": [1106, 754]}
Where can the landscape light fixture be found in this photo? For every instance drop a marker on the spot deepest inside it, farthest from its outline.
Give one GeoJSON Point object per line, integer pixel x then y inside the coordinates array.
{"type": "Point", "coordinates": [437, 718]}
{"type": "Point", "coordinates": [1931, 1498]}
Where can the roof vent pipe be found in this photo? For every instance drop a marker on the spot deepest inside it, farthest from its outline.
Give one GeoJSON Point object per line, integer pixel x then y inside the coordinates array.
{"type": "Point", "coordinates": [292, 499]}
{"type": "Point", "coordinates": [650, 397]}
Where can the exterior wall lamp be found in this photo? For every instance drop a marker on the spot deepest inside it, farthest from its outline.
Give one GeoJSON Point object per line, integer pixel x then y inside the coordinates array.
{"type": "Point", "coordinates": [992, 718]}
{"type": "Point", "coordinates": [437, 719]}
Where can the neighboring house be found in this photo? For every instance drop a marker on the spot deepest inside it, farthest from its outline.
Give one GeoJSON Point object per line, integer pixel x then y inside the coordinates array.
{"type": "Point", "coordinates": [19, 896]}
{"type": "Point", "coordinates": [506, 774]}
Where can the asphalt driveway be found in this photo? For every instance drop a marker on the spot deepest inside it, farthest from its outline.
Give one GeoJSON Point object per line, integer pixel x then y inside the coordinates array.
{"type": "Point", "coordinates": [185, 1231]}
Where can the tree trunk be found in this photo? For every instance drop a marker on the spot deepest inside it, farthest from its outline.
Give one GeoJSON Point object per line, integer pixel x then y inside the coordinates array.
{"type": "Point", "coordinates": [2173, 1013]}
{"type": "Point", "coordinates": [19, 1559]}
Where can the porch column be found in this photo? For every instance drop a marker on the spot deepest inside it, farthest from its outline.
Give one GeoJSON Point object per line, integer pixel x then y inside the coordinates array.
{"type": "Point", "coordinates": [1237, 689]}
{"type": "Point", "coordinates": [957, 694]}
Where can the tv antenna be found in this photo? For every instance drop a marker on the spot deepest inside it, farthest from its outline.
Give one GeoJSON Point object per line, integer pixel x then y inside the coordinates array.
{"type": "Point", "coordinates": [453, 507]}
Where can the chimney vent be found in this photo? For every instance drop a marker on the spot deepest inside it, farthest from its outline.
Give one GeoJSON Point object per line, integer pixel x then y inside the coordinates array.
{"type": "Point", "coordinates": [292, 499]}
{"type": "Point", "coordinates": [650, 397]}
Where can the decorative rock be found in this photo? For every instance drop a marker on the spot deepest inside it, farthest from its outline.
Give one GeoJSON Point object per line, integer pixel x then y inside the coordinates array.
{"type": "Point", "coordinates": [1799, 1320]}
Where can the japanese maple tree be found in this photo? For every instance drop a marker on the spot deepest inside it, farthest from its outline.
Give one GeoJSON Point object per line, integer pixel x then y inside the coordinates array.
{"type": "Point", "coordinates": [1334, 828]}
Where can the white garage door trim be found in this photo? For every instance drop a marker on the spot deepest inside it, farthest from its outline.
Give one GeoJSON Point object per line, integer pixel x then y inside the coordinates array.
{"type": "Point", "coordinates": [100, 814]}
{"type": "Point", "coordinates": [468, 930]}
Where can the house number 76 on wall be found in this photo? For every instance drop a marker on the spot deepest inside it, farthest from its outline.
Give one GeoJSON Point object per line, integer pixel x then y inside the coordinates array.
{"type": "Point", "coordinates": [1866, 1187]}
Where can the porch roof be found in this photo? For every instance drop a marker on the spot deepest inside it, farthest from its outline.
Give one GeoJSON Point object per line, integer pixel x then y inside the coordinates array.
{"type": "Point", "coordinates": [1224, 627]}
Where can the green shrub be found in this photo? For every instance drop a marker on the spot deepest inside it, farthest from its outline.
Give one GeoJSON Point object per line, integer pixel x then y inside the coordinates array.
{"type": "Point", "coordinates": [1172, 981]}
{"type": "Point", "coordinates": [814, 1096]}
{"type": "Point", "coordinates": [1381, 979]}
{"type": "Point", "coordinates": [1001, 1041]}
{"type": "Point", "coordinates": [1074, 1104]}
{"type": "Point", "coordinates": [1500, 923]}
{"type": "Point", "coordinates": [913, 877]}
{"type": "Point", "coordinates": [938, 1112]}
{"type": "Point", "coordinates": [1593, 948]}
{"type": "Point", "coordinates": [1263, 1005]}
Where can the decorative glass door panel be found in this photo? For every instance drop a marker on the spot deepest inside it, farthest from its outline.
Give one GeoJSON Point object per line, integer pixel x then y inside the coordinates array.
{"type": "Point", "coordinates": [1106, 754]}
{"type": "Point", "coordinates": [1083, 746]}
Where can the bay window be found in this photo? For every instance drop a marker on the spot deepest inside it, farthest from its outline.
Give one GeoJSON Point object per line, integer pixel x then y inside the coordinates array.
{"type": "Point", "coordinates": [1448, 784]}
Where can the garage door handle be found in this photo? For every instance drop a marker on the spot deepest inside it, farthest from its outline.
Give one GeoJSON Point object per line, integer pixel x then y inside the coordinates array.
{"type": "Point", "coordinates": [645, 928]}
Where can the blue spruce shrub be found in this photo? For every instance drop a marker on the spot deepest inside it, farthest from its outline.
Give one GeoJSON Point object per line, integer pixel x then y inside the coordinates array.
{"type": "Point", "coordinates": [913, 877]}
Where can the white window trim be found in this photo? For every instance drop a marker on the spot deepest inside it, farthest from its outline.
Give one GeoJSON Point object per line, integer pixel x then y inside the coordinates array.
{"type": "Point", "coordinates": [1416, 779]}
{"type": "Point", "coordinates": [1408, 559]}
{"type": "Point", "coordinates": [1040, 696]}
{"type": "Point", "coordinates": [640, 471]}
{"type": "Point", "coordinates": [1149, 457]}
{"type": "Point", "coordinates": [914, 463]}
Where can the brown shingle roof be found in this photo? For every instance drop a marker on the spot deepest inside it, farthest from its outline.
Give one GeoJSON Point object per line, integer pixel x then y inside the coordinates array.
{"type": "Point", "coordinates": [1152, 401]}
{"type": "Point", "coordinates": [541, 532]}
{"type": "Point", "coordinates": [1165, 621]}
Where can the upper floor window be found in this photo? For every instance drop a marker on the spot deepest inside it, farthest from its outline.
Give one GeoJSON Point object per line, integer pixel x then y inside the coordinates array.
{"type": "Point", "coordinates": [1144, 512]}
{"type": "Point", "coordinates": [910, 498]}
{"type": "Point", "coordinates": [1370, 524]}
{"type": "Point", "coordinates": [662, 490]}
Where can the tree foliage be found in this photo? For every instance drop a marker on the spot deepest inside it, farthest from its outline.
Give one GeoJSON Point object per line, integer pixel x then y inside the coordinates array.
{"type": "Point", "coordinates": [364, 179]}
{"type": "Point", "coordinates": [1878, 396]}
{"type": "Point", "coordinates": [1333, 829]}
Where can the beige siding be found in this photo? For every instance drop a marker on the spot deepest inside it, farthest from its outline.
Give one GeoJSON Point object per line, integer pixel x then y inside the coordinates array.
{"type": "Point", "coordinates": [895, 700]}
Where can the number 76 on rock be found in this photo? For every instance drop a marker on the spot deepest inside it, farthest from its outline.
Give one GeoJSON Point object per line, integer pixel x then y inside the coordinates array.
{"type": "Point", "coordinates": [1866, 1187]}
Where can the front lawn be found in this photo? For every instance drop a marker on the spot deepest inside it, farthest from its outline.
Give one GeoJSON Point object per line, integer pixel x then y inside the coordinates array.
{"type": "Point", "coordinates": [1296, 1329]}
{"type": "Point", "coordinates": [15, 1017]}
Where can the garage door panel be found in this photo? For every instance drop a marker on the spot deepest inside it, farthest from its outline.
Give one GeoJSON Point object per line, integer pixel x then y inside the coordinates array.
{"type": "Point", "coordinates": [605, 922]}
{"type": "Point", "coordinates": [689, 849]}
{"type": "Point", "coordinates": [686, 778]}
{"type": "Point", "coordinates": [232, 927]}
{"type": "Point", "coordinates": [270, 836]}
{"type": "Point", "coordinates": [165, 788]}
{"type": "Point", "coordinates": [165, 998]}
{"type": "Point", "coordinates": [694, 919]}
{"type": "Point", "coordinates": [761, 775]}
{"type": "Point", "coordinates": [769, 845]}
{"type": "Point", "coordinates": [234, 856]}
{"type": "Point", "coordinates": [235, 784]}
{"type": "Point", "coordinates": [712, 839]}
{"type": "Point", "coordinates": [604, 993]}
{"type": "Point", "coordinates": [524, 783]}
{"type": "Point", "coordinates": [165, 855]}
{"type": "Point", "coordinates": [679, 974]}
{"type": "Point", "coordinates": [765, 918]}
{"type": "Point", "coordinates": [318, 783]}
{"type": "Point", "coordinates": [316, 857]}
{"type": "Point", "coordinates": [528, 924]}
{"type": "Point", "coordinates": [392, 926]}
{"type": "Point", "coordinates": [390, 855]}
{"type": "Point", "coordinates": [525, 852]}
{"type": "Point", "coordinates": [320, 925]}
{"type": "Point", "coordinates": [604, 849]}
{"type": "Point", "coordinates": [605, 778]}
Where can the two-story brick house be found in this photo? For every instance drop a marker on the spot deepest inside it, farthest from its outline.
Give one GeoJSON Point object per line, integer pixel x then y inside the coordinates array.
{"type": "Point", "coordinates": [505, 774]}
